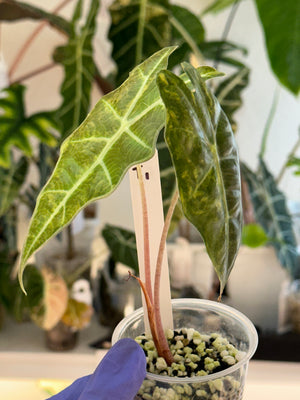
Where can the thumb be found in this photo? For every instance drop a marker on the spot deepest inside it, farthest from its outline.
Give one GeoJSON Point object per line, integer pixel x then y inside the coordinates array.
{"type": "Point", "coordinates": [119, 375]}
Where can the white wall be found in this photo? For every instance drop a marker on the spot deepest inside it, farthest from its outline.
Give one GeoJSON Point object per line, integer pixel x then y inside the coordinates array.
{"type": "Point", "coordinates": [43, 91]}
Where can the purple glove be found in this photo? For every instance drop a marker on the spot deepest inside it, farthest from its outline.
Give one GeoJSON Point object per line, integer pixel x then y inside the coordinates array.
{"type": "Point", "coordinates": [118, 376]}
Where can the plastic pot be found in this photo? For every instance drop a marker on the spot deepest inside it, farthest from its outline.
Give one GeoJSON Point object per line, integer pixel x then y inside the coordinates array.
{"type": "Point", "coordinates": [206, 317]}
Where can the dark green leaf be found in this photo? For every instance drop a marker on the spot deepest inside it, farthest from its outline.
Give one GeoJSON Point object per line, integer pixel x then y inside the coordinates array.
{"type": "Point", "coordinates": [11, 10]}
{"type": "Point", "coordinates": [204, 154]}
{"type": "Point", "coordinates": [119, 132]}
{"type": "Point", "coordinates": [219, 51]}
{"type": "Point", "coordinates": [11, 180]}
{"type": "Point", "coordinates": [122, 245]}
{"type": "Point", "coordinates": [23, 305]}
{"type": "Point", "coordinates": [271, 213]}
{"type": "Point", "coordinates": [79, 68]}
{"type": "Point", "coordinates": [280, 20]}
{"type": "Point", "coordinates": [8, 231]}
{"type": "Point", "coordinates": [16, 127]}
{"type": "Point", "coordinates": [253, 235]}
{"type": "Point", "coordinates": [187, 32]}
{"type": "Point", "coordinates": [229, 91]}
{"type": "Point", "coordinates": [138, 29]}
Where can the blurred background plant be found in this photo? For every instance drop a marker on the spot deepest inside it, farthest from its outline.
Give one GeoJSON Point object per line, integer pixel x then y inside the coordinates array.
{"type": "Point", "coordinates": [29, 143]}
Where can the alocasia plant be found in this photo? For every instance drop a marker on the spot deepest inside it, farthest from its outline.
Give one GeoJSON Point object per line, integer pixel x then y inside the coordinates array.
{"type": "Point", "coordinates": [122, 131]}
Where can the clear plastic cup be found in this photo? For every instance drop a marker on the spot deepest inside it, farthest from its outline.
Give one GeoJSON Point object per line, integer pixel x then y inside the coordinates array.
{"type": "Point", "coordinates": [206, 317]}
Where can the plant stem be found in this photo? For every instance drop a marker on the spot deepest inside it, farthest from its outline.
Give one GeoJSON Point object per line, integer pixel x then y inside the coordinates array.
{"type": "Point", "coordinates": [226, 30]}
{"type": "Point", "coordinates": [159, 326]}
{"type": "Point", "coordinates": [290, 155]}
{"type": "Point", "coordinates": [70, 243]}
{"type": "Point", "coordinates": [30, 39]}
{"type": "Point", "coordinates": [34, 73]}
{"type": "Point", "coordinates": [153, 309]}
{"type": "Point", "coordinates": [148, 283]}
{"type": "Point", "coordinates": [269, 123]}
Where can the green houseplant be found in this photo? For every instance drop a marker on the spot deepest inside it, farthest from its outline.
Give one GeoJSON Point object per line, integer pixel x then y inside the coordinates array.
{"type": "Point", "coordinates": [120, 132]}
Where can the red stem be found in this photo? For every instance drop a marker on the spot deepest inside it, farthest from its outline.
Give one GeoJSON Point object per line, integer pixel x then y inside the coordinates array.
{"type": "Point", "coordinates": [30, 39]}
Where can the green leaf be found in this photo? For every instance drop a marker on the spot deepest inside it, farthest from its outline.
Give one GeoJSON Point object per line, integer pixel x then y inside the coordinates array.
{"type": "Point", "coordinates": [229, 91]}
{"type": "Point", "coordinates": [218, 5]}
{"type": "Point", "coordinates": [122, 245]}
{"type": "Point", "coordinates": [11, 10]}
{"type": "Point", "coordinates": [219, 51]}
{"type": "Point", "coordinates": [188, 33]}
{"type": "Point", "coordinates": [280, 20]}
{"type": "Point", "coordinates": [119, 132]}
{"type": "Point", "coordinates": [16, 127]}
{"type": "Point", "coordinates": [294, 162]}
{"type": "Point", "coordinates": [79, 68]}
{"type": "Point", "coordinates": [11, 180]}
{"type": "Point", "coordinates": [34, 283]}
{"type": "Point", "coordinates": [253, 235]}
{"type": "Point", "coordinates": [138, 29]}
{"type": "Point", "coordinates": [205, 157]}
{"type": "Point", "coordinates": [272, 214]}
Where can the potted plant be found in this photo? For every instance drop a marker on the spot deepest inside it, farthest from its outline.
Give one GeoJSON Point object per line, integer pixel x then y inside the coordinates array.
{"type": "Point", "coordinates": [120, 132]}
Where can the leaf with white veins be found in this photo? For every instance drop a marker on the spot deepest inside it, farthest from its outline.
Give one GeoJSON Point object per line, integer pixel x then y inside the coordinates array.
{"type": "Point", "coordinates": [119, 132]}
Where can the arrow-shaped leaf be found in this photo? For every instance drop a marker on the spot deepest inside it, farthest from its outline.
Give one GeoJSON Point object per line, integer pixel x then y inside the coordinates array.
{"type": "Point", "coordinates": [77, 59]}
{"type": "Point", "coordinates": [271, 212]}
{"type": "Point", "coordinates": [16, 127]}
{"type": "Point", "coordinates": [204, 153]}
{"type": "Point", "coordinates": [119, 132]}
{"type": "Point", "coordinates": [11, 181]}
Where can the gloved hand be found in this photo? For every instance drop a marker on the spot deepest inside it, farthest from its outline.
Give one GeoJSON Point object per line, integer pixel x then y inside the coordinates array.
{"type": "Point", "coordinates": [118, 376]}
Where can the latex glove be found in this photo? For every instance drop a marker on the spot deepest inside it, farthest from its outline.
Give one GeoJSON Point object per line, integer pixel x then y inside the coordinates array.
{"type": "Point", "coordinates": [118, 376]}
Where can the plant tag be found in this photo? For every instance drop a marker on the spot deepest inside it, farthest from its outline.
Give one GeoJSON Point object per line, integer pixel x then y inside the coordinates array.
{"type": "Point", "coordinates": [151, 176]}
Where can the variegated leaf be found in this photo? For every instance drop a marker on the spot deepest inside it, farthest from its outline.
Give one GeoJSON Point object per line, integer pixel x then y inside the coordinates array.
{"type": "Point", "coordinates": [119, 132]}
{"type": "Point", "coordinates": [205, 157]}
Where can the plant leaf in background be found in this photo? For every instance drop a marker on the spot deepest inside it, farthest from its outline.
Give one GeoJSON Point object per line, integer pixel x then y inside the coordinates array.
{"type": "Point", "coordinates": [77, 315]}
{"type": "Point", "coordinates": [16, 127]}
{"type": "Point", "coordinates": [23, 305]}
{"type": "Point", "coordinates": [271, 211]}
{"type": "Point", "coordinates": [79, 68]}
{"type": "Point", "coordinates": [122, 245]}
{"type": "Point", "coordinates": [220, 51]}
{"type": "Point", "coordinates": [204, 154]}
{"type": "Point", "coordinates": [229, 91]}
{"type": "Point", "coordinates": [253, 235]}
{"type": "Point", "coordinates": [218, 5]}
{"type": "Point", "coordinates": [53, 302]}
{"type": "Point", "coordinates": [187, 32]}
{"type": "Point", "coordinates": [119, 132]}
{"type": "Point", "coordinates": [294, 162]}
{"type": "Point", "coordinates": [138, 29]}
{"type": "Point", "coordinates": [280, 21]}
{"type": "Point", "coordinates": [11, 180]}
{"type": "Point", "coordinates": [11, 10]}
